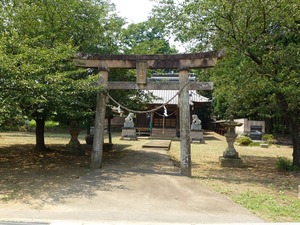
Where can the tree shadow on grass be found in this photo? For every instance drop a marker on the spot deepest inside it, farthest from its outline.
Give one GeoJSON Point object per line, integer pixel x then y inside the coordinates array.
{"type": "Point", "coordinates": [257, 170]}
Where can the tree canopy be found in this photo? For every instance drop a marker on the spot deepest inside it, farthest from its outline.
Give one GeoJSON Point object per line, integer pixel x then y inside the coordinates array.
{"type": "Point", "coordinates": [38, 41]}
{"type": "Point", "coordinates": [259, 76]}
{"type": "Point", "coordinates": [146, 38]}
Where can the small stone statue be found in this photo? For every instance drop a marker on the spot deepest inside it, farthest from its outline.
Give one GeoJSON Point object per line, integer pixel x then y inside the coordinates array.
{"type": "Point", "coordinates": [129, 121]}
{"type": "Point", "coordinates": [129, 118]}
{"type": "Point", "coordinates": [129, 131]}
{"type": "Point", "coordinates": [196, 123]}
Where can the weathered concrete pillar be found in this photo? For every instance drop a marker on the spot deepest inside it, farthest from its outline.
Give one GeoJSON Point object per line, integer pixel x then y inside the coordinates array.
{"type": "Point", "coordinates": [98, 141]}
{"type": "Point", "coordinates": [184, 104]}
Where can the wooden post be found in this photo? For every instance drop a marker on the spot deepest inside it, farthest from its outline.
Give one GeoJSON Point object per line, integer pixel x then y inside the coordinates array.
{"type": "Point", "coordinates": [177, 120]}
{"type": "Point", "coordinates": [184, 104]}
{"type": "Point", "coordinates": [98, 141]}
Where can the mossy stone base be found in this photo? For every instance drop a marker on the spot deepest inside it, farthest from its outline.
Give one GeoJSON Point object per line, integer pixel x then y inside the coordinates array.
{"type": "Point", "coordinates": [231, 162]}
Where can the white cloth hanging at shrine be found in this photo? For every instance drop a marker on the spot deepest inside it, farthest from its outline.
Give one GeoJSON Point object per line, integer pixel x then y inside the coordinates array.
{"type": "Point", "coordinates": [165, 112]}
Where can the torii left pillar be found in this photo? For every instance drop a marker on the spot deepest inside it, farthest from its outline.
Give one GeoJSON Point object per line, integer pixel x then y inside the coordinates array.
{"type": "Point", "coordinates": [98, 141]}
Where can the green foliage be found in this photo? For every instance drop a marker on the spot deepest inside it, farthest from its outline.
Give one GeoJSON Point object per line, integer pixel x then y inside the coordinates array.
{"type": "Point", "coordinates": [48, 124]}
{"type": "Point", "coordinates": [11, 122]}
{"type": "Point", "coordinates": [243, 140]}
{"type": "Point", "coordinates": [269, 138]}
{"type": "Point", "coordinates": [284, 164]}
{"type": "Point", "coordinates": [259, 76]}
{"type": "Point", "coordinates": [37, 42]}
{"type": "Point", "coordinates": [254, 144]}
{"type": "Point", "coordinates": [146, 38]}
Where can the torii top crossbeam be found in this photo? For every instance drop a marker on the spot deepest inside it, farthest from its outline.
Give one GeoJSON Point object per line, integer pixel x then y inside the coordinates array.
{"type": "Point", "coordinates": [170, 61]}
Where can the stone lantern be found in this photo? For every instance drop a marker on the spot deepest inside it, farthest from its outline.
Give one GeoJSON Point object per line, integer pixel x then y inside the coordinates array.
{"type": "Point", "coordinates": [230, 156]}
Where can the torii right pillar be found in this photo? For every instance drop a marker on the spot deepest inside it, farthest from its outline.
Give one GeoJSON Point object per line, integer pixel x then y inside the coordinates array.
{"type": "Point", "coordinates": [184, 109]}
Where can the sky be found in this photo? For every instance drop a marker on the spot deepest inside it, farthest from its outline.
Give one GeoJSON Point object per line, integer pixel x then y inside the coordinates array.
{"type": "Point", "coordinates": [137, 11]}
{"type": "Point", "coordinates": [134, 10]}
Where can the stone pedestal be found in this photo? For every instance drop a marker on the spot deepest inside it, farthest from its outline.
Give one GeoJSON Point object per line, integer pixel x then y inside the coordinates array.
{"type": "Point", "coordinates": [231, 162]}
{"type": "Point", "coordinates": [196, 127]}
{"type": "Point", "coordinates": [197, 136]}
{"type": "Point", "coordinates": [128, 133]}
{"type": "Point", "coordinates": [89, 139]}
{"type": "Point", "coordinates": [74, 145]}
{"type": "Point", "coordinates": [128, 124]}
{"type": "Point", "coordinates": [230, 157]}
{"type": "Point", "coordinates": [230, 151]}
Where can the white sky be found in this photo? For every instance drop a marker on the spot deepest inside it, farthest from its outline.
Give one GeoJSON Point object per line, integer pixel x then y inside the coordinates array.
{"type": "Point", "coordinates": [137, 11]}
{"type": "Point", "coordinates": [134, 10]}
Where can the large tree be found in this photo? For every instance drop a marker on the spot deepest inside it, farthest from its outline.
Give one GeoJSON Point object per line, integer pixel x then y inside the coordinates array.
{"type": "Point", "coordinates": [146, 38]}
{"type": "Point", "coordinates": [259, 75]}
{"type": "Point", "coordinates": [38, 40]}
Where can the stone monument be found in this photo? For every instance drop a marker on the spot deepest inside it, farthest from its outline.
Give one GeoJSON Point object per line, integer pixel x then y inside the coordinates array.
{"type": "Point", "coordinates": [230, 156]}
{"type": "Point", "coordinates": [128, 130]}
{"type": "Point", "coordinates": [196, 133]}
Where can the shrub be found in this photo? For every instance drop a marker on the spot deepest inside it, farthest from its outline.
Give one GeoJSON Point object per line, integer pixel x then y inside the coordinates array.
{"type": "Point", "coordinates": [243, 140]}
{"type": "Point", "coordinates": [49, 125]}
{"type": "Point", "coordinates": [32, 123]}
{"type": "Point", "coordinates": [23, 128]}
{"type": "Point", "coordinates": [269, 138]}
{"type": "Point", "coordinates": [254, 144]}
{"type": "Point", "coordinates": [285, 164]}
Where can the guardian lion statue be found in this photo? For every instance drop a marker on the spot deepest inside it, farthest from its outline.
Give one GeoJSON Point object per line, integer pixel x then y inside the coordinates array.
{"type": "Point", "coordinates": [129, 118]}
{"type": "Point", "coordinates": [196, 120]}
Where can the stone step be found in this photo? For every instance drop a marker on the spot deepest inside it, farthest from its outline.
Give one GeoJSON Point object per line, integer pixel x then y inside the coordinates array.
{"type": "Point", "coordinates": [163, 133]}
{"type": "Point", "coordinates": [158, 144]}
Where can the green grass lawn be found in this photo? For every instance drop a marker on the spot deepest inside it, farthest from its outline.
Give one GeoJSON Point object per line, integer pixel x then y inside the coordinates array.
{"type": "Point", "coordinates": [258, 186]}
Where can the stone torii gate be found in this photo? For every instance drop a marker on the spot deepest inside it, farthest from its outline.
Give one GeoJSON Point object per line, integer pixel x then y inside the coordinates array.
{"type": "Point", "coordinates": [182, 62]}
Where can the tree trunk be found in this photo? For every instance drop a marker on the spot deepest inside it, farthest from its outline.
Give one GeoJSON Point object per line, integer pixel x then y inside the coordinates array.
{"type": "Point", "coordinates": [39, 134]}
{"type": "Point", "coordinates": [292, 119]}
{"type": "Point", "coordinates": [295, 134]}
{"type": "Point", "coordinates": [269, 126]}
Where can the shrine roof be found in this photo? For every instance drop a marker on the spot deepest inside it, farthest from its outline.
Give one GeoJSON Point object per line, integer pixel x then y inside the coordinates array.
{"type": "Point", "coordinates": [165, 95]}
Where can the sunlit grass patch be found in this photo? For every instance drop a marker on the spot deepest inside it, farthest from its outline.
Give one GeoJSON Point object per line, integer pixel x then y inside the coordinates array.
{"type": "Point", "coordinates": [271, 206]}
{"type": "Point", "coordinates": [258, 186]}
